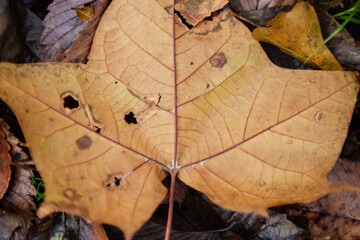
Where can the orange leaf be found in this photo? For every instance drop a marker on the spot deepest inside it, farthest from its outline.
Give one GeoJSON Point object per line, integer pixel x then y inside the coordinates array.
{"type": "Point", "coordinates": [206, 103]}
{"type": "Point", "coordinates": [298, 34]}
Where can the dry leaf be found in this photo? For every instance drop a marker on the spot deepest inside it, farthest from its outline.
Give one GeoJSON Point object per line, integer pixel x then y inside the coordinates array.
{"type": "Point", "coordinates": [252, 5]}
{"type": "Point", "coordinates": [323, 226]}
{"type": "Point", "coordinates": [5, 160]}
{"type": "Point", "coordinates": [246, 133]}
{"type": "Point", "coordinates": [298, 34]}
{"type": "Point", "coordinates": [344, 47]}
{"type": "Point", "coordinates": [63, 29]}
{"type": "Point", "coordinates": [343, 204]}
{"type": "Point", "coordinates": [19, 196]}
{"type": "Point", "coordinates": [84, 13]}
{"type": "Point", "coordinates": [196, 11]}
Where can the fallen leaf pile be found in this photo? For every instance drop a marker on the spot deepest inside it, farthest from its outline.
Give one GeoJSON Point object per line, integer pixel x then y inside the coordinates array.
{"type": "Point", "coordinates": [155, 98]}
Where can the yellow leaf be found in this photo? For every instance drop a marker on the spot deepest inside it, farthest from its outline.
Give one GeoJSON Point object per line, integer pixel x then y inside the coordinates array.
{"type": "Point", "coordinates": [206, 104]}
{"type": "Point", "coordinates": [84, 13]}
{"type": "Point", "coordinates": [298, 34]}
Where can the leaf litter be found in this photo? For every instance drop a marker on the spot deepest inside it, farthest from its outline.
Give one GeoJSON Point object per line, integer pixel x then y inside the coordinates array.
{"type": "Point", "coordinates": [91, 112]}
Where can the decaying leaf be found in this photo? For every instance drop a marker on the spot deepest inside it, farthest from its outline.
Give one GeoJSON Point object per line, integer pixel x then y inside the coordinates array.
{"type": "Point", "coordinates": [251, 5]}
{"type": "Point", "coordinates": [195, 11]}
{"type": "Point", "coordinates": [19, 196]}
{"type": "Point", "coordinates": [66, 37]}
{"type": "Point", "coordinates": [342, 45]}
{"type": "Point", "coordinates": [208, 106]}
{"type": "Point", "coordinates": [5, 160]}
{"type": "Point", "coordinates": [324, 226]}
{"type": "Point", "coordinates": [259, 12]}
{"type": "Point", "coordinates": [298, 33]}
{"type": "Point", "coordinates": [343, 204]}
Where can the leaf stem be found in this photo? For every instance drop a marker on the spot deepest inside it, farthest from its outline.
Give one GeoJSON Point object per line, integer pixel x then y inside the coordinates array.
{"type": "Point", "coordinates": [171, 204]}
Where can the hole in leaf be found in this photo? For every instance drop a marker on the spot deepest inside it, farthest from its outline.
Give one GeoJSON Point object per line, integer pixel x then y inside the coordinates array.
{"type": "Point", "coordinates": [98, 130]}
{"type": "Point", "coordinates": [70, 102]}
{"type": "Point", "coordinates": [183, 20]}
{"type": "Point", "coordinates": [130, 118]}
{"type": "Point", "coordinates": [117, 181]}
{"type": "Point", "coordinates": [116, 82]}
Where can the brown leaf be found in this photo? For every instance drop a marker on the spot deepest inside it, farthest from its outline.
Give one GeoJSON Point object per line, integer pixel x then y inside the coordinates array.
{"type": "Point", "coordinates": [16, 152]}
{"type": "Point", "coordinates": [323, 226]}
{"type": "Point", "coordinates": [5, 161]}
{"type": "Point", "coordinates": [19, 195]}
{"type": "Point", "coordinates": [343, 204]}
{"type": "Point", "coordinates": [208, 106]}
{"type": "Point", "coordinates": [298, 34]}
{"type": "Point", "coordinates": [342, 45]}
{"type": "Point", "coordinates": [241, 6]}
{"type": "Point", "coordinates": [66, 37]}
{"type": "Point", "coordinates": [195, 11]}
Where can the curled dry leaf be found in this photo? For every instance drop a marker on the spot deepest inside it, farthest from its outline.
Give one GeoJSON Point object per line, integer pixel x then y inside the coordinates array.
{"type": "Point", "coordinates": [5, 160]}
{"type": "Point", "coordinates": [206, 105]}
{"type": "Point", "coordinates": [195, 11]}
{"type": "Point", "coordinates": [298, 34]}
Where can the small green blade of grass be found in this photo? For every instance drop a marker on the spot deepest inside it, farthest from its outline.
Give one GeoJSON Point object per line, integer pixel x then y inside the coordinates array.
{"type": "Point", "coordinates": [354, 11]}
{"type": "Point", "coordinates": [353, 20]}
{"type": "Point", "coordinates": [39, 185]}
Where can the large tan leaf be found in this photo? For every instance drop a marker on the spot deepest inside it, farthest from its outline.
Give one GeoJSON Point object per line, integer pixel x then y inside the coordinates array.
{"type": "Point", "coordinates": [209, 106]}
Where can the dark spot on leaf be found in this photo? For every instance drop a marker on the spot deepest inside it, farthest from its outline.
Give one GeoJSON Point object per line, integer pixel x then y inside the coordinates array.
{"type": "Point", "coordinates": [191, 63]}
{"type": "Point", "coordinates": [82, 177]}
{"type": "Point", "coordinates": [130, 118]}
{"type": "Point", "coordinates": [26, 110]}
{"type": "Point", "coordinates": [207, 85]}
{"type": "Point", "coordinates": [218, 60]}
{"type": "Point", "coordinates": [84, 142]}
{"type": "Point", "coordinates": [70, 102]}
{"type": "Point", "coordinates": [116, 82]}
{"type": "Point", "coordinates": [123, 152]}
{"type": "Point", "coordinates": [51, 119]}
{"type": "Point", "coordinates": [98, 129]}
{"type": "Point", "coordinates": [117, 181]}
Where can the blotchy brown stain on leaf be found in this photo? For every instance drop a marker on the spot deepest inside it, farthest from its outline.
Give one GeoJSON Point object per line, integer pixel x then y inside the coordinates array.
{"type": "Point", "coordinates": [195, 11]}
{"type": "Point", "coordinates": [218, 60]}
{"type": "Point", "coordinates": [71, 194]}
{"type": "Point", "coordinates": [207, 27]}
{"type": "Point", "coordinates": [84, 142]}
